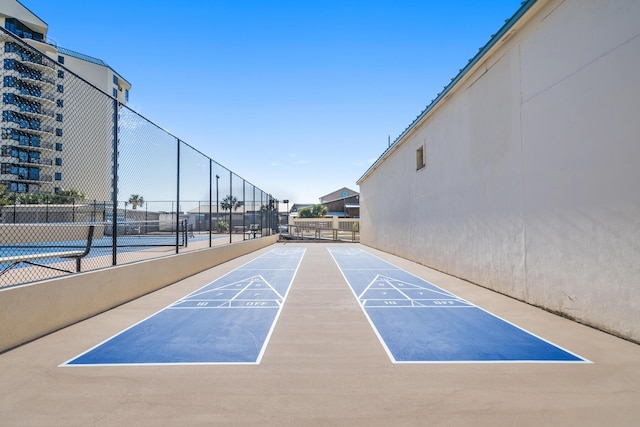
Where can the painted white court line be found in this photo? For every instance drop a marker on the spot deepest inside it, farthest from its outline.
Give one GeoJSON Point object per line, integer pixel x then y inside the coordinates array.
{"type": "Point", "coordinates": [363, 306]}
{"type": "Point", "coordinates": [195, 293]}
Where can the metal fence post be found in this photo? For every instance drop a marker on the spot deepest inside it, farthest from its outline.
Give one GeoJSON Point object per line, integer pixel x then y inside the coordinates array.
{"type": "Point", "coordinates": [178, 197]}
{"type": "Point", "coordinates": [230, 203]}
{"type": "Point", "coordinates": [114, 186]}
{"type": "Point", "coordinates": [210, 199]}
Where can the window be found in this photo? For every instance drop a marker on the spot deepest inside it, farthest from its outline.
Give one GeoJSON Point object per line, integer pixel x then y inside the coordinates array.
{"type": "Point", "coordinates": [61, 59]}
{"type": "Point", "coordinates": [58, 146]}
{"type": "Point", "coordinates": [58, 132]}
{"type": "Point", "coordinates": [21, 30]}
{"type": "Point", "coordinates": [58, 117]}
{"type": "Point", "coordinates": [58, 161]}
{"type": "Point", "coordinates": [22, 155]}
{"type": "Point", "coordinates": [60, 74]}
{"type": "Point", "coordinates": [18, 187]}
{"type": "Point", "coordinates": [58, 176]}
{"type": "Point", "coordinates": [60, 103]}
{"type": "Point", "coordinates": [115, 80]}
{"type": "Point", "coordinates": [420, 160]}
{"type": "Point", "coordinates": [34, 174]}
{"type": "Point", "coordinates": [115, 92]}
{"type": "Point", "coordinates": [9, 81]}
{"type": "Point", "coordinates": [61, 88]}
{"type": "Point", "coordinates": [126, 94]}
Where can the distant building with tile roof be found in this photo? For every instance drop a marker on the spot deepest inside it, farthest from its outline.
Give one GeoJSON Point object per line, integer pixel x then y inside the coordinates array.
{"type": "Point", "coordinates": [342, 203]}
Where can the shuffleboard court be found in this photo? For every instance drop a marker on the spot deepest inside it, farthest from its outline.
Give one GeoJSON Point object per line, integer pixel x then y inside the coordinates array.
{"type": "Point", "coordinates": [227, 321]}
{"type": "Point", "coordinates": [418, 322]}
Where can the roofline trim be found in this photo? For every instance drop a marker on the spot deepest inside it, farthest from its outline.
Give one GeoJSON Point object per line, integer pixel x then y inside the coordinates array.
{"type": "Point", "coordinates": [524, 7]}
{"type": "Point", "coordinates": [88, 58]}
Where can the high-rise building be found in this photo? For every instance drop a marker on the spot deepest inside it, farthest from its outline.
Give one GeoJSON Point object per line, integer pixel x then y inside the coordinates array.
{"type": "Point", "coordinates": [56, 130]}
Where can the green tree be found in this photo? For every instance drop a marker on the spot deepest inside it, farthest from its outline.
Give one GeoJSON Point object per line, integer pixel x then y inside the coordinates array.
{"type": "Point", "coordinates": [229, 203]}
{"type": "Point", "coordinates": [5, 196]}
{"type": "Point", "coordinates": [269, 207]}
{"type": "Point", "coordinates": [136, 201]}
{"type": "Point", "coordinates": [64, 197]}
{"type": "Point", "coordinates": [315, 211]}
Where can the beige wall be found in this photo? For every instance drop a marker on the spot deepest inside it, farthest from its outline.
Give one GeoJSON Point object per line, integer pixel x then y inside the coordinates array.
{"type": "Point", "coordinates": [530, 184]}
{"type": "Point", "coordinates": [28, 312]}
{"type": "Point", "coordinates": [13, 9]}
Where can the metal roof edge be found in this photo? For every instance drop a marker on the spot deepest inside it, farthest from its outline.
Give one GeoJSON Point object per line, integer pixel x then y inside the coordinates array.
{"type": "Point", "coordinates": [88, 58]}
{"type": "Point", "coordinates": [524, 7]}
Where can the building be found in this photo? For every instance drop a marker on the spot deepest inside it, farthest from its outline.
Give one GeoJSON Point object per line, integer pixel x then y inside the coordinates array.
{"type": "Point", "coordinates": [522, 175]}
{"type": "Point", "coordinates": [296, 208]}
{"type": "Point", "coordinates": [343, 203]}
{"type": "Point", "coordinates": [57, 130]}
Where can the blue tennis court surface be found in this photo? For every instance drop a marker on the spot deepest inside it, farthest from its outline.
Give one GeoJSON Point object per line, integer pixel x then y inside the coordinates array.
{"type": "Point", "coordinates": [418, 322]}
{"type": "Point", "coordinates": [100, 247]}
{"type": "Point", "coordinates": [228, 321]}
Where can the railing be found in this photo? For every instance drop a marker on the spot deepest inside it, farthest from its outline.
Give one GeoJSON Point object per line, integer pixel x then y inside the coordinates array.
{"type": "Point", "coordinates": [346, 230]}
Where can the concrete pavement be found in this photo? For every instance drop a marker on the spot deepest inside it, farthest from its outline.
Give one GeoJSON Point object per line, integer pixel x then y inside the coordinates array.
{"type": "Point", "coordinates": [323, 366]}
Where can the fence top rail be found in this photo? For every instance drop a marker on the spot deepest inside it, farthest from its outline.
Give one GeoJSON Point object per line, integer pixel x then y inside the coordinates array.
{"type": "Point", "coordinates": [55, 224]}
{"type": "Point", "coordinates": [313, 227]}
{"type": "Point", "coordinates": [50, 205]}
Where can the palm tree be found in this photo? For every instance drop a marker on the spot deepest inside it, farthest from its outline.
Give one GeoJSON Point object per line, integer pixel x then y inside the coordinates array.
{"type": "Point", "coordinates": [229, 203]}
{"type": "Point", "coordinates": [136, 200]}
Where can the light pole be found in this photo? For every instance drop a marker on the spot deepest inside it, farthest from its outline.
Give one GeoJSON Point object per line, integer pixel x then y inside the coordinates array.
{"type": "Point", "coordinates": [217, 217]}
{"type": "Point", "coordinates": [286, 201]}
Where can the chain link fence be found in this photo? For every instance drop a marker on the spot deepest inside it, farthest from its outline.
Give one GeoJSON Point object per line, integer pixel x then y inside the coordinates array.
{"type": "Point", "coordinates": [87, 183]}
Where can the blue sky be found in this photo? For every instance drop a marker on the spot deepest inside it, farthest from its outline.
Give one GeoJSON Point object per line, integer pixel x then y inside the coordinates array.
{"type": "Point", "coordinates": [298, 97]}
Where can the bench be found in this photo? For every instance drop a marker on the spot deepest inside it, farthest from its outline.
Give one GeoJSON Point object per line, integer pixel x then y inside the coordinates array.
{"type": "Point", "coordinates": [254, 229]}
{"type": "Point", "coordinates": [29, 258]}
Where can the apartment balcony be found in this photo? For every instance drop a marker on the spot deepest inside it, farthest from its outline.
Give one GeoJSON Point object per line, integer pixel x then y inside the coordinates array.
{"type": "Point", "coordinates": [41, 130]}
{"type": "Point", "coordinates": [42, 80]}
{"type": "Point", "coordinates": [27, 110]}
{"type": "Point", "coordinates": [45, 97]}
{"type": "Point", "coordinates": [23, 178]}
{"type": "Point", "coordinates": [37, 62]}
{"type": "Point", "coordinates": [8, 155]}
{"type": "Point", "coordinates": [47, 146]}
{"type": "Point", "coordinates": [31, 162]}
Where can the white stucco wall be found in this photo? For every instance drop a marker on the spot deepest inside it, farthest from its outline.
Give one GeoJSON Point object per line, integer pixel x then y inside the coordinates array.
{"type": "Point", "coordinates": [532, 169]}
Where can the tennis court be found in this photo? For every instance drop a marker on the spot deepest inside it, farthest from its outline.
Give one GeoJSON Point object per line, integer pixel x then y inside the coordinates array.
{"type": "Point", "coordinates": [146, 236]}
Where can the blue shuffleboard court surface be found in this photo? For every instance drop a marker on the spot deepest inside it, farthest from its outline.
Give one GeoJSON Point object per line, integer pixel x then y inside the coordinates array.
{"type": "Point", "coordinates": [418, 322]}
{"type": "Point", "coordinates": [228, 321]}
